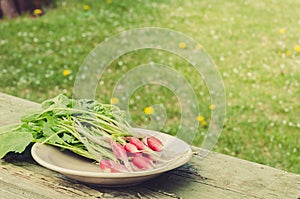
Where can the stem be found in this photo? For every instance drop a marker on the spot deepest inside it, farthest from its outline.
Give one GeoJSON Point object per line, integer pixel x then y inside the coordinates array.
{"type": "Point", "coordinates": [91, 146]}
{"type": "Point", "coordinates": [93, 124]}
{"type": "Point", "coordinates": [46, 140]}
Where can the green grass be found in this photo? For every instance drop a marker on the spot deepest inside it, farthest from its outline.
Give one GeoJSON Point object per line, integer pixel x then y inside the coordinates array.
{"type": "Point", "coordinates": [259, 65]}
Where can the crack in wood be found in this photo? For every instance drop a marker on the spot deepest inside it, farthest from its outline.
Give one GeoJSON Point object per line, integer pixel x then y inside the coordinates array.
{"type": "Point", "coordinates": [21, 175]}
{"type": "Point", "coordinates": [144, 196]}
{"type": "Point", "coordinates": [162, 192]}
{"type": "Point", "coordinates": [188, 171]}
{"type": "Point", "coordinates": [173, 195]}
{"type": "Point", "coordinates": [139, 195]}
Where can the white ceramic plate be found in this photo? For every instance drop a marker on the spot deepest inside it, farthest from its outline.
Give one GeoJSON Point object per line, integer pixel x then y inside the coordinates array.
{"type": "Point", "coordinates": [84, 170]}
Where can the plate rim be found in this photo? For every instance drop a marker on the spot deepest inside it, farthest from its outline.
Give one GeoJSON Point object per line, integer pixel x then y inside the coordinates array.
{"type": "Point", "coordinates": [184, 157]}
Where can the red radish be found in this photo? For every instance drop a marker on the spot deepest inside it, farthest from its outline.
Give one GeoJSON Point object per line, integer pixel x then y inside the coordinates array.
{"type": "Point", "coordinates": [155, 144]}
{"type": "Point", "coordinates": [105, 166]}
{"type": "Point", "coordinates": [120, 153]}
{"type": "Point", "coordinates": [118, 167]}
{"type": "Point", "coordinates": [118, 150]}
{"type": "Point", "coordinates": [142, 162]}
{"type": "Point", "coordinates": [110, 166]}
{"type": "Point", "coordinates": [137, 142]}
{"type": "Point", "coordinates": [131, 148]}
{"type": "Point", "coordinates": [134, 168]}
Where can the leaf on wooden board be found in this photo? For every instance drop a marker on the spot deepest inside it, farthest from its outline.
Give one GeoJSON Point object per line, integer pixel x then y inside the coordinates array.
{"type": "Point", "coordinates": [10, 127]}
{"type": "Point", "coordinates": [14, 141]}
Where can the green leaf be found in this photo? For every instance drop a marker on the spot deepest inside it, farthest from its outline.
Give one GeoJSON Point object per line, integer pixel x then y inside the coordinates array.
{"type": "Point", "coordinates": [70, 139]}
{"type": "Point", "coordinates": [32, 115]}
{"type": "Point", "coordinates": [51, 136]}
{"type": "Point", "coordinates": [59, 101]}
{"type": "Point", "coordinates": [8, 128]}
{"type": "Point", "coordinates": [15, 141]}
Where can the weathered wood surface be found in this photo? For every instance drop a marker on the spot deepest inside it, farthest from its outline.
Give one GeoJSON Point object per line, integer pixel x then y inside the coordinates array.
{"type": "Point", "coordinates": [215, 176]}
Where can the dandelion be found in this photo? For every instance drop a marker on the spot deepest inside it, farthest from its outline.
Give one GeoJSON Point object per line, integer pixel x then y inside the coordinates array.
{"type": "Point", "coordinates": [200, 118]}
{"type": "Point", "coordinates": [114, 100]}
{"type": "Point", "coordinates": [37, 12]}
{"type": "Point", "coordinates": [282, 31]}
{"type": "Point", "coordinates": [288, 53]}
{"type": "Point", "coordinates": [148, 110]}
{"type": "Point", "coordinates": [203, 123]}
{"type": "Point", "coordinates": [198, 47]}
{"type": "Point", "coordinates": [212, 107]}
{"type": "Point", "coordinates": [86, 7]}
{"type": "Point", "coordinates": [66, 72]}
{"type": "Point", "coordinates": [297, 48]}
{"type": "Point", "coordinates": [108, 1]}
{"type": "Point", "coordinates": [182, 45]}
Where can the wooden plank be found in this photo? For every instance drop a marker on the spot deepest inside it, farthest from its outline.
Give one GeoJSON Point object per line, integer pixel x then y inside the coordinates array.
{"type": "Point", "coordinates": [12, 108]}
{"type": "Point", "coordinates": [214, 176]}
{"type": "Point", "coordinates": [35, 181]}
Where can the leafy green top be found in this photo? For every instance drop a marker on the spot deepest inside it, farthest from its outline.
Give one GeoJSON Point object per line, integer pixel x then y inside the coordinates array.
{"type": "Point", "coordinates": [85, 127]}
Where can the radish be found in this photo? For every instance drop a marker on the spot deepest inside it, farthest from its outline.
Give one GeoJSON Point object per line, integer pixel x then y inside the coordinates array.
{"type": "Point", "coordinates": [138, 143]}
{"type": "Point", "coordinates": [120, 153]}
{"type": "Point", "coordinates": [118, 150]}
{"type": "Point", "coordinates": [131, 148]}
{"type": "Point", "coordinates": [142, 162]}
{"type": "Point", "coordinates": [116, 167]}
{"type": "Point", "coordinates": [134, 168]}
{"type": "Point", "coordinates": [105, 166]}
{"type": "Point", "coordinates": [155, 144]}
{"type": "Point", "coordinates": [108, 166]}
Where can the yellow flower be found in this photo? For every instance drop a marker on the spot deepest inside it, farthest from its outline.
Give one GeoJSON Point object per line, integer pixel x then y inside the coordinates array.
{"type": "Point", "coordinates": [203, 123]}
{"type": "Point", "coordinates": [212, 107]}
{"type": "Point", "coordinates": [200, 118]}
{"type": "Point", "coordinates": [297, 48]}
{"type": "Point", "coordinates": [86, 7]}
{"type": "Point", "coordinates": [108, 1]}
{"type": "Point", "coordinates": [37, 11]}
{"type": "Point", "coordinates": [148, 110]}
{"type": "Point", "coordinates": [182, 45]}
{"type": "Point", "coordinates": [114, 100]}
{"type": "Point", "coordinates": [198, 47]}
{"type": "Point", "coordinates": [282, 31]}
{"type": "Point", "coordinates": [288, 53]}
{"type": "Point", "coordinates": [66, 72]}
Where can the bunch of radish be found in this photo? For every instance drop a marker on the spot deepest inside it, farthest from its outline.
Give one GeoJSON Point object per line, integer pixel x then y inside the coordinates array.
{"type": "Point", "coordinates": [136, 154]}
{"type": "Point", "coordinates": [90, 129]}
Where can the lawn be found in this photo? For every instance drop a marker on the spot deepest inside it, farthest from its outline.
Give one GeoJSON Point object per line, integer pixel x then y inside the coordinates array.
{"type": "Point", "coordinates": [255, 45]}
